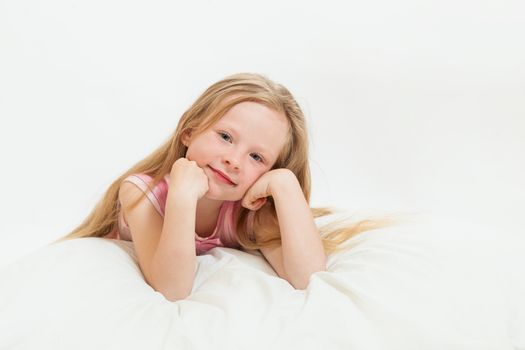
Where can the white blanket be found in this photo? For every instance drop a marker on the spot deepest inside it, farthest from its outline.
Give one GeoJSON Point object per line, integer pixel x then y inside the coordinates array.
{"type": "Point", "coordinates": [426, 285]}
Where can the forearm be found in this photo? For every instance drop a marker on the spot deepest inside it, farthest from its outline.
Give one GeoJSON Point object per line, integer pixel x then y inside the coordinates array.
{"type": "Point", "coordinates": [302, 247]}
{"type": "Point", "coordinates": [174, 262]}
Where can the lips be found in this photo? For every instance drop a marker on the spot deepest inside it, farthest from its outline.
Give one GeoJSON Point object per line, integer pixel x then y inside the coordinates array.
{"type": "Point", "coordinates": [223, 175]}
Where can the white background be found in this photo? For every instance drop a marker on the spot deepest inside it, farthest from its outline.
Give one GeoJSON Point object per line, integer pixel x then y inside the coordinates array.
{"type": "Point", "coordinates": [412, 105]}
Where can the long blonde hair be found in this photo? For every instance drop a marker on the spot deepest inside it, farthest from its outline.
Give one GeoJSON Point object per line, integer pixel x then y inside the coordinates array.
{"type": "Point", "coordinates": [205, 111]}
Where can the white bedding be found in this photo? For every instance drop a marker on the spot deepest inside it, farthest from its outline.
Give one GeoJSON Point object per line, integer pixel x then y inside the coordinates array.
{"type": "Point", "coordinates": [427, 285]}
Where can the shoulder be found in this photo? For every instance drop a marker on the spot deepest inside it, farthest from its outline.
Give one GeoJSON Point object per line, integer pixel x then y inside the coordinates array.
{"type": "Point", "coordinates": [129, 194]}
{"type": "Point", "coordinates": [139, 212]}
{"type": "Point", "coordinates": [140, 180]}
{"type": "Point", "coordinates": [144, 182]}
{"type": "Point", "coordinates": [144, 222]}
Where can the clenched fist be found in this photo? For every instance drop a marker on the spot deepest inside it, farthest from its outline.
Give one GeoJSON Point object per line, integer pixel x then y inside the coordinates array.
{"type": "Point", "coordinates": [188, 180]}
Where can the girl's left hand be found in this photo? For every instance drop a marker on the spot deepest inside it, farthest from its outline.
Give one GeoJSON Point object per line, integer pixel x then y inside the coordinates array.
{"type": "Point", "coordinates": [256, 195]}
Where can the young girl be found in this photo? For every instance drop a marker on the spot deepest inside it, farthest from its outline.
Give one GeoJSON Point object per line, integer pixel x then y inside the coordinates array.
{"type": "Point", "coordinates": [234, 174]}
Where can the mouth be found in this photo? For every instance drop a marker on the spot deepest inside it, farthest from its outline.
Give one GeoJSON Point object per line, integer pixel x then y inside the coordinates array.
{"type": "Point", "coordinates": [223, 176]}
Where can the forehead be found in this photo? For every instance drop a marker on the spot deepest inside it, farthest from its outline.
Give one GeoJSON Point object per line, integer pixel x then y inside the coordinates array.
{"type": "Point", "coordinates": [264, 128]}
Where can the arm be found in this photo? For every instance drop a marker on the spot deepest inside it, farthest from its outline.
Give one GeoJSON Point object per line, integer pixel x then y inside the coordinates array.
{"type": "Point", "coordinates": [302, 248]}
{"type": "Point", "coordinates": [174, 262]}
{"type": "Point", "coordinates": [301, 251]}
{"type": "Point", "coordinates": [165, 249]}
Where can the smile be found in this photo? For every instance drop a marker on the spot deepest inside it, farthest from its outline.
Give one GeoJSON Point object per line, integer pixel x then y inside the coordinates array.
{"type": "Point", "coordinates": [222, 178]}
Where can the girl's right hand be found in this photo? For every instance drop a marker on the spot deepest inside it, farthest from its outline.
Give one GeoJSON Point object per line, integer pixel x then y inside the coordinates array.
{"type": "Point", "coordinates": [188, 179]}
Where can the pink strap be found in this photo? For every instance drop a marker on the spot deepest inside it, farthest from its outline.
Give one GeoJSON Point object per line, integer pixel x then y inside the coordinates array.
{"type": "Point", "coordinates": [152, 196]}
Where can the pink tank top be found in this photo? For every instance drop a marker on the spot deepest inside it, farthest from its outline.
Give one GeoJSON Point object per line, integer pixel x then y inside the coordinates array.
{"type": "Point", "coordinates": [224, 234]}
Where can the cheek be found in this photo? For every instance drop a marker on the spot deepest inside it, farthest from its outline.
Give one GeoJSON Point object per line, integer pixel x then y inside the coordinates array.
{"type": "Point", "coordinates": [257, 173]}
{"type": "Point", "coordinates": [199, 152]}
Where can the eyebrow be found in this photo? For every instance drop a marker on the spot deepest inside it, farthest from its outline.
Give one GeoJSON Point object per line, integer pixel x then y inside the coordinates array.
{"type": "Point", "coordinates": [268, 155]}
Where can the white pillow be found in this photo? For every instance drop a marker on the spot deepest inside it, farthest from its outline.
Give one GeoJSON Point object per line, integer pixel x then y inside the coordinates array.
{"type": "Point", "coordinates": [419, 286]}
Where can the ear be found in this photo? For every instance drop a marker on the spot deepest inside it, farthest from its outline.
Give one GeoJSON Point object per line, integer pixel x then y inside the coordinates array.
{"type": "Point", "coordinates": [186, 137]}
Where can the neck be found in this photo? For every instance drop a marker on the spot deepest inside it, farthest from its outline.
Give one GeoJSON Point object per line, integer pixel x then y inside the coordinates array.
{"type": "Point", "coordinates": [206, 216]}
{"type": "Point", "coordinates": [208, 206]}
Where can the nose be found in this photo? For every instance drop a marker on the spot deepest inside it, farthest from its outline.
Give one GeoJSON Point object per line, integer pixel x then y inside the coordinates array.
{"type": "Point", "coordinates": [232, 159]}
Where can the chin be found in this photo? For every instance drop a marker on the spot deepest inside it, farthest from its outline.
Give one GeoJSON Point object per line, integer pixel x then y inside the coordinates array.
{"type": "Point", "coordinates": [218, 196]}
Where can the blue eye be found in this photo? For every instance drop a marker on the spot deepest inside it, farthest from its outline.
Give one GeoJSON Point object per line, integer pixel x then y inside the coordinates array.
{"type": "Point", "coordinates": [228, 137]}
{"type": "Point", "coordinates": [260, 158]}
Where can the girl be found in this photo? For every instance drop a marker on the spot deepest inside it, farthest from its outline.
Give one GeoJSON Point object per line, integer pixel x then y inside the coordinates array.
{"type": "Point", "coordinates": [234, 174]}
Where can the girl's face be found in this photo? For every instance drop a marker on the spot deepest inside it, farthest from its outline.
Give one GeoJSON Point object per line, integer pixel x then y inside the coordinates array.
{"type": "Point", "coordinates": [243, 145]}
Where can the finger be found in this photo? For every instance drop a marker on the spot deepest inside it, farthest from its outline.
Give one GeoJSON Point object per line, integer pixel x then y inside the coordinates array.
{"type": "Point", "coordinates": [249, 200]}
{"type": "Point", "coordinates": [256, 205]}
{"type": "Point", "coordinates": [261, 201]}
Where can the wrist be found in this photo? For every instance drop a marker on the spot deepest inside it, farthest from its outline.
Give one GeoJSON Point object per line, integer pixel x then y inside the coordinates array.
{"type": "Point", "coordinates": [285, 182]}
{"type": "Point", "coordinates": [182, 198]}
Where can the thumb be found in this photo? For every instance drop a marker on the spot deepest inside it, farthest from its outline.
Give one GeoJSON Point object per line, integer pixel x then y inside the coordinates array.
{"type": "Point", "coordinates": [258, 203]}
